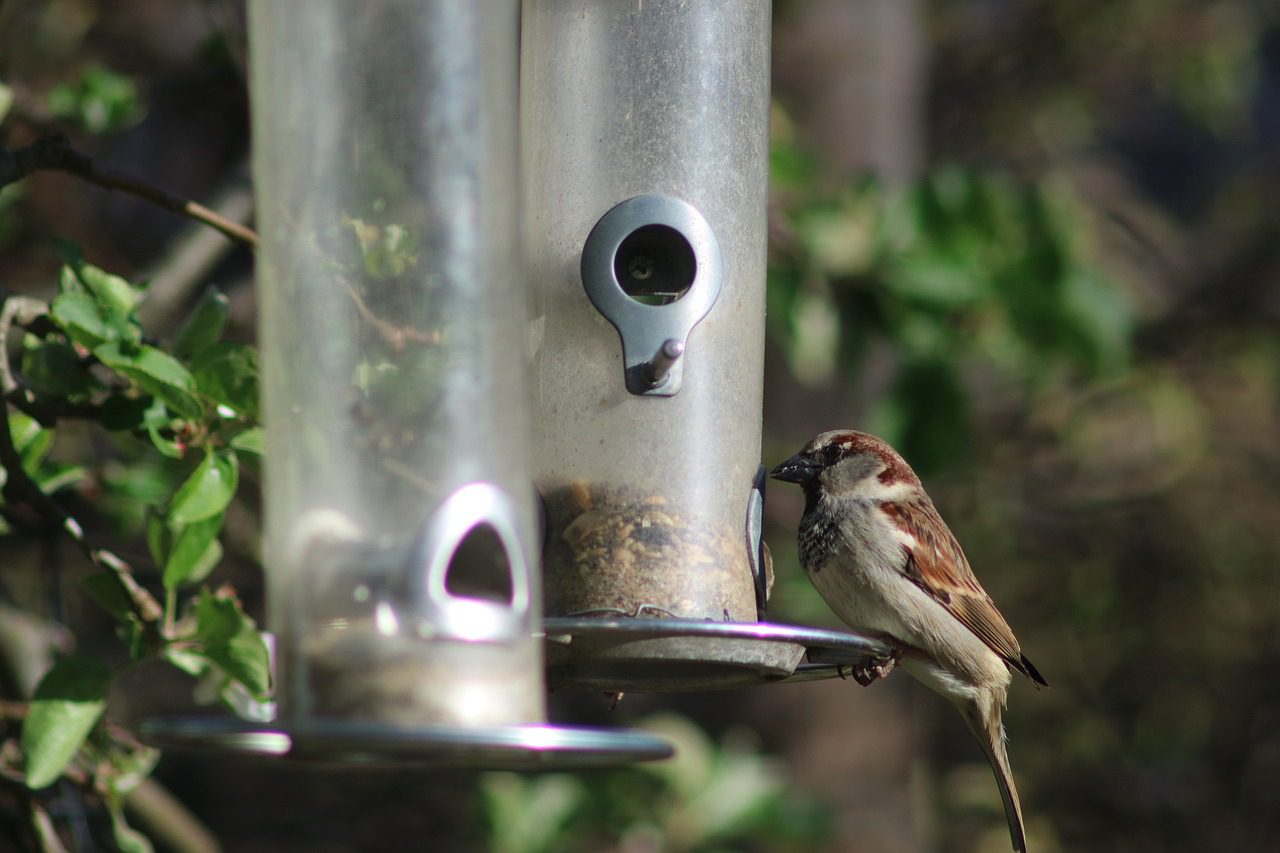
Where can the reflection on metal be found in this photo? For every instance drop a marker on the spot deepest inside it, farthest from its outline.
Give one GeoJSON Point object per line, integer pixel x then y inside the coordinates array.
{"type": "Point", "coordinates": [677, 255]}
{"type": "Point", "coordinates": [532, 747]}
{"type": "Point", "coordinates": [455, 617]}
{"type": "Point", "coordinates": [666, 655]}
{"type": "Point", "coordinates": [761, 564]}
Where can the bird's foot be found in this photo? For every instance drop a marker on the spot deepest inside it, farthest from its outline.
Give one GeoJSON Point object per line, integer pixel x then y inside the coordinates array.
{"type": "Point", "coordinates": [873, 669]}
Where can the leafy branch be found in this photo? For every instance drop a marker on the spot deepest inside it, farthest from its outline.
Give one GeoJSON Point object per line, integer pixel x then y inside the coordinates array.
{"type": "Point", "coordinates": [193, 408]}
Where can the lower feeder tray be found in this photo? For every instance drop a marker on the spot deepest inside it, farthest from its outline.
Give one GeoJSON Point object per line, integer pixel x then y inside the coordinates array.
{"type": "Point", "coordinates": [648, 655]}
{"type": "Point", "coordinates": [528, 747]}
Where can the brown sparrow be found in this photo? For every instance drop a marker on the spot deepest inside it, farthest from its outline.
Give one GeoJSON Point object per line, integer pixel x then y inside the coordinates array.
{"type": "Point", "coordinates": [884, 560]}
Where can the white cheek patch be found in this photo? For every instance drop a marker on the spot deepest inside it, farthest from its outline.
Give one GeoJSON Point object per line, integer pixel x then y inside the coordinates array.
{"type": "Point", "coordinates": [892, 492]}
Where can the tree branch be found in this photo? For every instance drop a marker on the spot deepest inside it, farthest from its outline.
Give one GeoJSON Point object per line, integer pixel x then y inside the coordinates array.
{"type": "Point", "coordinates": [55, 154]}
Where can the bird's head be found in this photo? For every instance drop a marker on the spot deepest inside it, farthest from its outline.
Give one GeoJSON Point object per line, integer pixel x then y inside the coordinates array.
{"type": "Point", "coordinates": [845, 463]}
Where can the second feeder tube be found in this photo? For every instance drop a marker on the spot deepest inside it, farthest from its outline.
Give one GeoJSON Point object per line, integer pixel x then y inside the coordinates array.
{"type": "Point", "coordinates": [646, 495]}
{"type": "Point", "coordinates": [400, 531]}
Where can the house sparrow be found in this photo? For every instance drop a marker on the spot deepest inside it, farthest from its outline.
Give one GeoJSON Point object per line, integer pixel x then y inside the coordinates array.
{"type": "Point", "coordinates": [884, 560]}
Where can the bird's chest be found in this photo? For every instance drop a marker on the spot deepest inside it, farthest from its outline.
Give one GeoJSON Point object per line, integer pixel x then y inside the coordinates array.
{"type": "Point", "coordinates": [849, 559]}
{"type": "Point", "coordinates": [843, 539]}
{"type": "Point", "coordinates": [819, 540]}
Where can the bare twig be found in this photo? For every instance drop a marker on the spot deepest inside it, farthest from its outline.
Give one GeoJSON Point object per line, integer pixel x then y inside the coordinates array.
{"type": "Point", "coordinates": [19, 310]}
{"type": "Point", "coordinates": [45, 830]}
{"type": "Point", "coordinates": [189, 259]}
{"type": "Point", "coordinates": [169, 821]}
{"type": "Point", "coordinates": [396, 336]}
{"type": "Point", "coordinates": [55, 154]}
{"type": "Point", "coordinates": [12, 710]}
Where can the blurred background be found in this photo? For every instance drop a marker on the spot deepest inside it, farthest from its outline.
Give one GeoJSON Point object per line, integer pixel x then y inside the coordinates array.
{"type": "Point", "coordinates": [1033, 243]}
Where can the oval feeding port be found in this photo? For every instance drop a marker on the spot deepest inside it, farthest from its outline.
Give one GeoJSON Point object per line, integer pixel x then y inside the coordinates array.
{"type": "Point", "coordinates": [655, 265]}
{"type": "Point", "coordinates": [481, 568]}
{"type": "Point", "coordinates": [652, 267]}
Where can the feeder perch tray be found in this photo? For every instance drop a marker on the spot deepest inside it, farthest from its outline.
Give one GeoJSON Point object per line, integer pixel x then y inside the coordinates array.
{"type": "Point", "coordinates": [528, 747]}
{"type": "Point", "coordinates": [649, 655]}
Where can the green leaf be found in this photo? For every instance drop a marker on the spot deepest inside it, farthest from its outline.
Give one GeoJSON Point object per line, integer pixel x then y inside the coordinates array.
{"type": "Point", "coordinates": [204, 326]}
{"type": "Point", "coordinates": [208, 490]}
{"type": "Point", "coordinates": [195, 553]}
{"type": "Point", "coordinates": [6, 100]}
{"type": "Point", "coordinates": [192, 663]}
{"type": "Point", "coordinates": [82, 319]}
{"type": "Point", "coordinates": [159, 537]}
{"type": "Point", "coordinates": [112, 292]}
{"type": "Point", "coordinates": [146, 361]}
{"type": "Point", "coordinates": [54, 476]}
{"type": "Point", "coordinates": [156, 419]}
{"type": "Point", "coordinates": [227, 373]}
{"type": "Point", "coordinates": [388, 250]}
{"type": "Point", "coordinates": [128, 839]}
{"type": "Point", "coordinates": [31, 440]}
{"type": "Point", "coordinates": [67, 704]}
{"type": "Point", "coordinates": [252, 440]}
{"type": "Point", "coordinates": [231, 640]}
{"type": "Point", "coordinates": [124, 767]}
{"type": "Point", "coordinates": [54, 368]}
{"type": "Point", "coordinates": [104, 589]}
{"type": "Point", "coordinates": [24, 429]}
{"type": "Point", "coordinates": [99, 100]}
{"type": "Point", "coordinates": [155, 372]}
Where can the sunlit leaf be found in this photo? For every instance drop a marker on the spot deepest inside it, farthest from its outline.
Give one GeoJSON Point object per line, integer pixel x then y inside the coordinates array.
{"type": "Point", "coordinates": [155, 371]}
{"type": "Point", "coordinates": [53, 476]}
{"type": "Point", "coordinates": [31, 440]}
{"type": "Point", "coordinates": [195, 552]}
{"type": "Point", "coordinates": [231, 640]}
{"type": "Point", "coordinates": [208, 490]}
{"type": "Point", "coordinates": [67, 704]}
{"type": "Point", "coordinates": [82, 318]}
{"type": "Point", "coordinates": [252, 440]}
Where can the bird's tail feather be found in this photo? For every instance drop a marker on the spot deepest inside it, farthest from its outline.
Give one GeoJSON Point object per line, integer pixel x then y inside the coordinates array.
{"type": "Point", "coordinates": [987, 728]}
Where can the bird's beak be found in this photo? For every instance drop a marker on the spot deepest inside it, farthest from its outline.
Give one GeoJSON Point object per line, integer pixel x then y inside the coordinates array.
{"type": "Point", "coordinates": [798, 469]}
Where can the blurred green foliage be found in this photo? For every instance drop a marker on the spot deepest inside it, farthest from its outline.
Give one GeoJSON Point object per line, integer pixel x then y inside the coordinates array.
{"type": "Point", "coordinates": [961, 271]}
{"type": "Point", "coordinates": [711, 796]}
{"type": "Point", "coordinates": [99, 100]}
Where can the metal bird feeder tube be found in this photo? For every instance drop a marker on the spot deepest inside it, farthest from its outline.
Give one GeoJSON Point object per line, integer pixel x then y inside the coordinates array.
{"type": "Point", "coordinates": [401, 533]}
{"type": "Point", "coordinates": [645, 146]}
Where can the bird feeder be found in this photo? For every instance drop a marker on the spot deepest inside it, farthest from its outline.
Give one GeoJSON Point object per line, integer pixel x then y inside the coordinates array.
{"type": "Point", "coordinates": [402, 543]}
{"type": "Point", "coordinates": [645, 146]}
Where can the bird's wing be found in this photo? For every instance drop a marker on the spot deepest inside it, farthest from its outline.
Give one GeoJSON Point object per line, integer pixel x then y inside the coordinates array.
{"type": "Point", "coordinates": [937, 564]}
